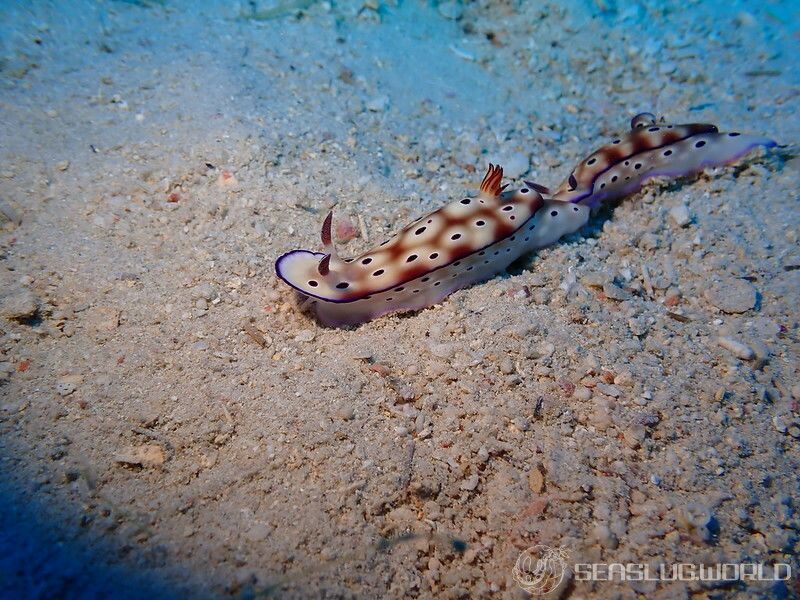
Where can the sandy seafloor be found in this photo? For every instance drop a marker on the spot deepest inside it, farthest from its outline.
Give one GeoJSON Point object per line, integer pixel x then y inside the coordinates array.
{"type": "Point", "coordinates": [171, 426]}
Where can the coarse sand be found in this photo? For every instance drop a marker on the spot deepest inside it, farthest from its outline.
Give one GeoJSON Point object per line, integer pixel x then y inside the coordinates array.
{"type": "Point", "coordinates": [171, 425]}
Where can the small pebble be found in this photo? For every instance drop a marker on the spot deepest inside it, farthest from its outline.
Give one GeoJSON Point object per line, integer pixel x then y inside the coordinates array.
{"type": "Point", "coordinates": [19, 306]}
{"type": "Point", "coordinates": [470, 555]}
{"type": "Point", "coordinates": [442, 350]}
{"type": "Point", "coordinates": [648, 241]}
{"type": "Point", "coordinates": [204, 291]}
{"type": "Point", "coordinates": [541, 296]}
{"type": "Point", "coordinates": [226, 179]}
{"type": "Point", "coordinates": [680, 215]}
{"type": "Point", "coordinates": [257, 532]}
{"type": "Point", "coordinates": [609, 390]}
{"type": "Point", "coordinates": [672, 297]}
{"type": "Point", "coordinates": [737, 348]}
{"type": "Point", "coordinates": [543, 350]}
{"type": "Point", "coordinates": [65, 388]}
{"type": "Point", "coordinates": [470, 483]}
{"type": "Point", "coordinates": [521, 423]}
{"type": "Point", "coordinates": [634, 436]}
{"type": "Point", "coordinates": [536, 480]}
{"type": "Point", "coordinates": [6, 369]}
{"type": "Point", "coordinates": [600, 418]}
{"type": "Point", "coordinates": [515, 164]}
{"type": "Point", "coordinates": [451, 9]}
{"type": "Point", "coordinates": [746, 19]}
{"type": "Point", "coordinates": [346, 413]}
{"type": "Point", "coordinates": [147, 455]}
{"type": "Point", "coordinates": [615, 292]}
{"type": "Point", "coordinates": [696, 520]}
{"type": "Point", "coordinates": [9, 213]}
{"type": "Point", "coordinates": [255, 335]}
{"type": "Point", "coordinates": [536, 280]}
{"type": "Point", "coordinates": [307, 335]}
{"type": "Point", "coordinates": [732, 295]}
{"type": "Point", "coordinates": [780, 426]}
{"type": "Point", "coordinates": [361, 353]}
{"type": "Point", "coordinates": [605, 537]}
{"type": "Point", "coordinates": [378, 104]}
{"type": "Point", "coordinates": [624, 378]}
{"type": "Point", "coordinates": [147, 415]}
{"type": "Point", "coordinates": [596, 279]}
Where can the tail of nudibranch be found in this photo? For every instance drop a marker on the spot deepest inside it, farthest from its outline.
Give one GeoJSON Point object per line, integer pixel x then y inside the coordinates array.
{"type": "Point", "coordinates": [652, 150]}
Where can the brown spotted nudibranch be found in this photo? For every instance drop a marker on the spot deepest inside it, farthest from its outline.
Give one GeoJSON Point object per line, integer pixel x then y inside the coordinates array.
{"type": "Point", "coordinates": [474, 238]}
{"type": "Point", "coordinates": [464, 242]}
{"type": "Point", "coordinates": [652, 150]}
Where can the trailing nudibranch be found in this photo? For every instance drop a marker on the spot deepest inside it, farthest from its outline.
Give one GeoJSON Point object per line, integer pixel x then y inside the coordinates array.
{"type": "Point", "coordinates": [474, 238]}
{"type": "Point", "coordinates": [651, 150]}
{"type": "Point", "coordinates": [464, 242]}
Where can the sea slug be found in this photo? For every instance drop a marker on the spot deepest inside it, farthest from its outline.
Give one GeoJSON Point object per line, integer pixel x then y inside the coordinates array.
{"type": "Point", "coordinates": [474, 238]}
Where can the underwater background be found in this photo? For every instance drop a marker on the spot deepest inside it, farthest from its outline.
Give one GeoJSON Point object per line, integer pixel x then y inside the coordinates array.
{"type": "Point", "coordinates": [171, 425]}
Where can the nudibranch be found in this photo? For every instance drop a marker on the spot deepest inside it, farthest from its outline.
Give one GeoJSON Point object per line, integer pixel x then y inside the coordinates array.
{"type": "Point", "coordinates": [464, 242]}
{"type": "Point", "coordinates": [652, 150]}
{"type": "Point", "coordinates": [472, 239]}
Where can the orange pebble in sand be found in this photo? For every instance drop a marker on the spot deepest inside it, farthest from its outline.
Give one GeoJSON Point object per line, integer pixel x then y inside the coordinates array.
{"type": "Point", "coordinates": [345, 230]}
{"type": "Point", "coordinates": [226, 178]}
{"type": "Point", "coordinates": [672, 301]}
